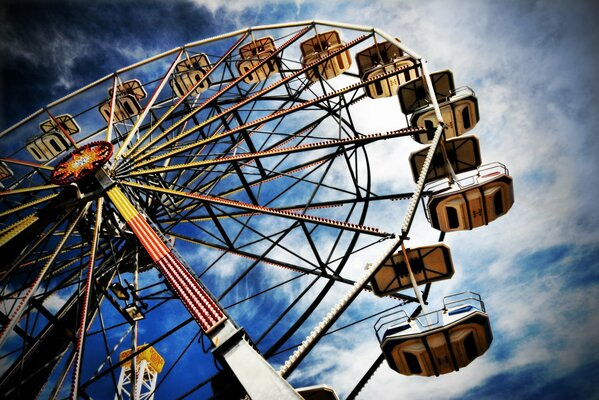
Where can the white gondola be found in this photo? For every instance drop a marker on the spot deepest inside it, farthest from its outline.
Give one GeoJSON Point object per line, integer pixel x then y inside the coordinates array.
{"type": "Point", "coordinates": [188, 72]}
{"type": "Point", "coordinates": [252, 54]}
{"type": "Point", "coordinates": [64, 122]}
{"type": "Point", "coordinates": [53, 141]}
{"type": "Point", "coordinates": [438, 342]}
{"type": "Point", "coordinates": [382, 58]}
{"type": "Point", "coordinates": [322, 45]}
{"type": "Point", "coordinates": [428, 264]}
{"type": "Point", "coordinates": [127, 101]}
{"type": "Point", "coordinates": [463, 154]}
{"type": "Point", "coordinates": [318, 392]}
{"type": "Point", "coordinates": [472, 201]}
{"type": "Point", "coordinates": [47, 146]}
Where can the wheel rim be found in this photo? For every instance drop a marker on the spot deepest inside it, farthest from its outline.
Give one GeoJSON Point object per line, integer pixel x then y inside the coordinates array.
{"type": "Point", "coordinates": [231, 206]}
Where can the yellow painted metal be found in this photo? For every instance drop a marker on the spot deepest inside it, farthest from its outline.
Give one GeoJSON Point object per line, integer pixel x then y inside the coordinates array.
{"type": "Point", "coordinates": [58, 270]}
{"type": "Point", "coordinates": [280, 175]}
{"type": "Point", "coordinates": [28, 189]}
{"type": "Point", "coordinates": [122, 203]}
{"type": "Point", "coordinates": [190, 240]}
{"type": "Point", "coordinates": [184, 119]}
{"type": "Point", "coordinates": [17, 312]}
{"type": "Point", "coordinates": [136, 154]}
{"type": "Point", "coordinates": [73, 247]}
{"type": "Point", "coordinates": [238, 215]}
{"type": "Point", "coordinates": [259, 209]}
{"type": "Point", "coordinates": [180, 136]}
{"type": "Point", "coordinates": [250, 124]}
{"type": "Point", "coordinates": [220, 115]}
{"type": "Point", "coordinates": [250, 157]}
{"type": "Point", "coordinates": [16, 224]}
{"type": "Point", "coordinates": [13, 230]}
{"type": "Point", "coordinates": [150, 355]}
{"type": "Point", "coordinates": [142, 116]}
{"type": "Point", "coordinates": [173, 167]}
{"type": "Point", "coordinates": [157, 189]}
{"type": "Point", "coordinates": [27, 205]}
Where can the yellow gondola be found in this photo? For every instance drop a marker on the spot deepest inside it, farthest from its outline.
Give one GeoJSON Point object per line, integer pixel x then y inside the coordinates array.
{"type": "Point", "coordinates": [382, 58]}
{"type": "Point", "coordinates": [47, 146]}
{"type": "Point", "coordinates": [53, 141]}
{"type": "Point", "coordinates": [252, 54]}
{"type": "Point", "coordinates": [319, 46]}
{"type": "Point", "coordinates": [60, 122]}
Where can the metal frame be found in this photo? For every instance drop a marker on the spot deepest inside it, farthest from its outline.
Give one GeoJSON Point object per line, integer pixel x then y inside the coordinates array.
{"type": "Point", "coordinates": [166, 207]}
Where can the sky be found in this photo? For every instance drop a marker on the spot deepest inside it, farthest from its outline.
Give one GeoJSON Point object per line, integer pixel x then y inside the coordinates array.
{"type": "Point", "coordinates": [532, 65]}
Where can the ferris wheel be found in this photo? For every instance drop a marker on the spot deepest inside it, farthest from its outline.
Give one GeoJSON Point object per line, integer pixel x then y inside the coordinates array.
{"type": "Point", "coordinates": [175, 226]}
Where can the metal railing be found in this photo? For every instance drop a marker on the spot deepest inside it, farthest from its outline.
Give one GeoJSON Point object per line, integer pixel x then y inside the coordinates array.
{"type": "Point", "coordinates": [429, 320]}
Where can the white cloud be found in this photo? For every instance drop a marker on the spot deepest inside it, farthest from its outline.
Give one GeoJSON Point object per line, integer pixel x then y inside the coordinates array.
{"type": "Point", "coordinates": [243, 5]}
{"type": "Point", "coordinates": [55, 301]}
{"type": "Point", "coordinates": [527, 323]}
{"type": "Point", "coordinates": [524, 124]}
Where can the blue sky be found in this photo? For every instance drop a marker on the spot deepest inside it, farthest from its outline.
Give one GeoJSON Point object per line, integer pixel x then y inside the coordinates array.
{"type": "Point", "coordinates": [532, 65]}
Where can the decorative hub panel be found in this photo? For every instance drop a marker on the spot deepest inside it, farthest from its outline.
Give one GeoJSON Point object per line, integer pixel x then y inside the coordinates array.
{"type": "Point", "coordinates": [82, 162]}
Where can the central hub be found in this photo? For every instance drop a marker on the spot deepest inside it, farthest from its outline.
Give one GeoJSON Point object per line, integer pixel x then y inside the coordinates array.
{"type": "Point", "coordinates": [81, 163]}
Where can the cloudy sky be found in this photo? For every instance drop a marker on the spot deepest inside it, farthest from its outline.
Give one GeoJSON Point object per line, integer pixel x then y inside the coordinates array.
{"type": "Point", "coordinates": [533, 67]}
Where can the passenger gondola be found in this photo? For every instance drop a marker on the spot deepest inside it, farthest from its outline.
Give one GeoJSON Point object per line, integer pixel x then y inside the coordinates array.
{"type": "Point", "coordinates": [48, 146]}
{"type": "Point", "coordinates": [382, 58]}
{"type": "Point", "coordinates": [188, 73]}
{"type": "Point", "coordinates": [252, 54]}
{"type": "Point", "coordinates": [5, 172]}
{"type": "Point", "coordinates": [127, 101]}
{"type": "Point", "coordinates": [414, 96]}
{"type": "Point", "coordinates": [428, 264]}
{"type": "Point", "coordinates": [438, 342]}
{"type": "Point", "coordinates": [53, 141]}
{"type": "Point", "coordinates": [463, 155]}
{"type": "Point", "coordinates": [459, 112]}
{"type": "Point", "coordinates": [64, 122]}
{"type": "Point", "coordinates": [318, 392]}
{"type": "Point", "coordinates": [472, 201]}
{"type": "Point", "coordinates": [459, 107]}
{"type": "Point", "coordinates": [320, 46]}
